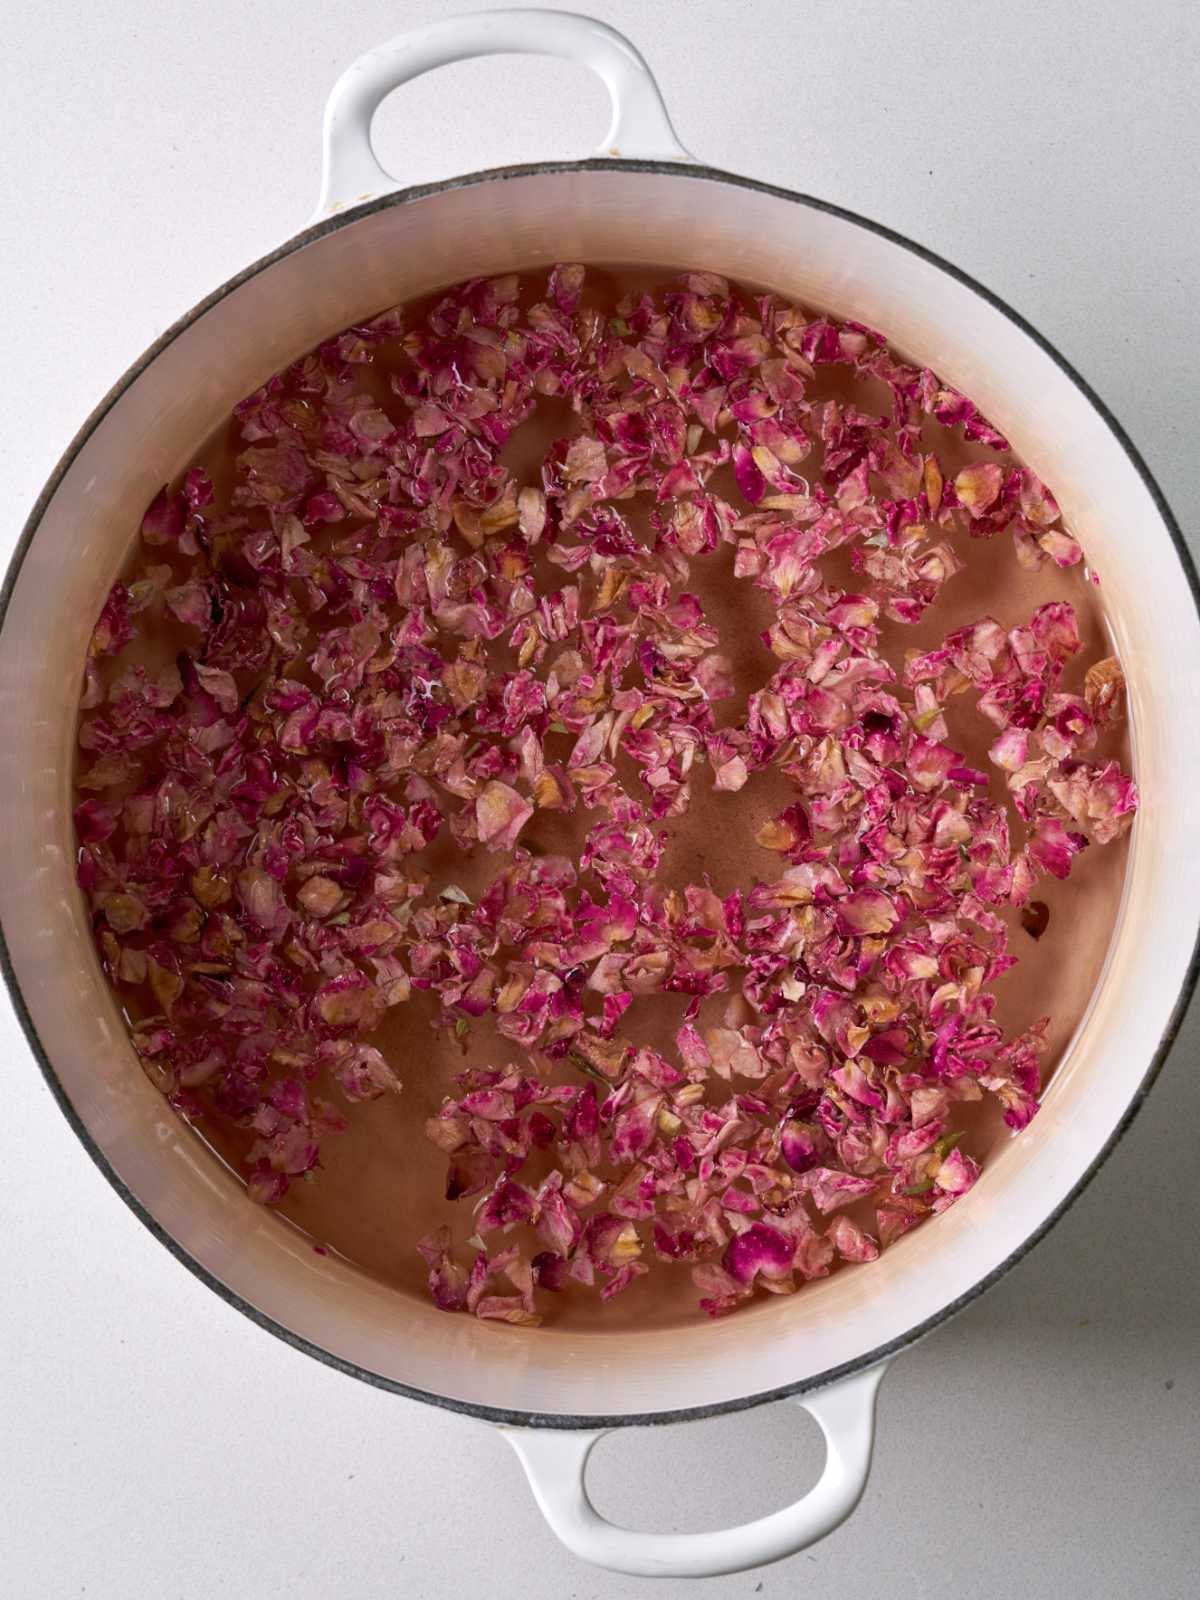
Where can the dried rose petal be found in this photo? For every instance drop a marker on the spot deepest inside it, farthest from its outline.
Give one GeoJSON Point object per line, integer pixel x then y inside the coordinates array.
{"type": "Point", "coordinates": [500, 814]}
{"type": "Point", "coordinates": [1104, 688]}
{"type": "Point", "coordinates": [760, 1249]}
{"type": "Point", "coordinates": [867, 911]}
{"type": "Point", "coordinates": [831, 1189]}
{"type": "Point", "coordinates": [978, 485]}
{"type": "Point", "coordinates": [850, 1241]}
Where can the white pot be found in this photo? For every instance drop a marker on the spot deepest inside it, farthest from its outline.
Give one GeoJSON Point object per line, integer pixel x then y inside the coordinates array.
{"type": "Point", "coordinates": [641, 199]}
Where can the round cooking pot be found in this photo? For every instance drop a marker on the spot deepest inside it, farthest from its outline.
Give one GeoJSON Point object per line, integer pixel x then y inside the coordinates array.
{"type": "Point", "coordinates": [640, 199]}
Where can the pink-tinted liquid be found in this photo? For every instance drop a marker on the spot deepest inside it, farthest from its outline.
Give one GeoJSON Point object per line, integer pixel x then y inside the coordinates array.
{"type": "Point", "coordinates": [380, 1185]}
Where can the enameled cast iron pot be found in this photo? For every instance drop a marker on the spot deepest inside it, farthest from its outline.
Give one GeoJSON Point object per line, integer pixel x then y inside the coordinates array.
{"type": "Point", "coordinates": [641, 198]}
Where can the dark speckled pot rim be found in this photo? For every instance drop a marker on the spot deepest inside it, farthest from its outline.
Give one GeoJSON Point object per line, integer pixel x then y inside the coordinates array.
{"type": "Point", "coordinates": [536, 1419]}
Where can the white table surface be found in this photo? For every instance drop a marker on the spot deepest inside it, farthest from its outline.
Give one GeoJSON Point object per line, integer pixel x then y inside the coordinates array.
{"type": "Point", "coordinates": [153, 1442]}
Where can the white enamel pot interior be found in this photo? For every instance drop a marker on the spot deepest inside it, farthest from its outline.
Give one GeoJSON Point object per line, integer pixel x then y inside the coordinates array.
{"type": "Point", "coordinates": [658, 210]}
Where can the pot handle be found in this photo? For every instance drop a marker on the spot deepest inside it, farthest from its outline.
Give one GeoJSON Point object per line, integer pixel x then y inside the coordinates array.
{"type": "Point", "coordinates": [555, 1461]}
{"type": "Point", "coordinates": [641, 128]}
